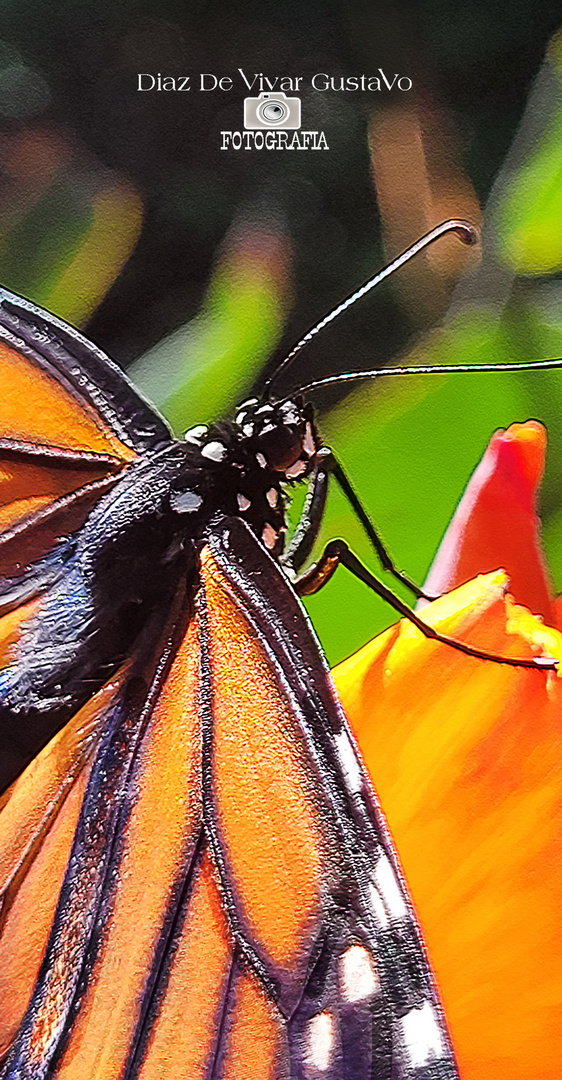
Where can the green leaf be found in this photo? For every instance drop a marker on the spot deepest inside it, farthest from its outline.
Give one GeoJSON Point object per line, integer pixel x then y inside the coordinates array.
{"type": "Point", "coordinates": [528, 218]}
{"type": "Point", "coordinates": [206, 367]}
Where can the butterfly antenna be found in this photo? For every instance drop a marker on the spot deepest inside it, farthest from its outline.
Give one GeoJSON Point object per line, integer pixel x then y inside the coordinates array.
{"type": "Point", "coordinates": [466, 232]}
{"type": "Point", "coordinates": [429, 369]}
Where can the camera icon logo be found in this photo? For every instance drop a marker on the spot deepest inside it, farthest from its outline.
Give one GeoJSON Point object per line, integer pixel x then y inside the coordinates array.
{"type": "Point", "coordinates": [272, 111]}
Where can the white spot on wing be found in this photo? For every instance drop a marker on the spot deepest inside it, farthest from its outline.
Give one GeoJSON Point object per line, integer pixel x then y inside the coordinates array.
{"type": "Point", "coordinates": [215, 451]}
{"type": "Point", "coordinates": [358, 977]}
{"type": "Point", "coordinates": [348, 761]}
{"type": "Point", "coordinates": [262, 462]}
{"type": "Point", "coordinates": [422, 1036]}
{"type": "Point", "coordinates": [243, 502]}
{"type": "Point", "coordinates": [377, 907]}
{"type": "Point", "coordinates": [248, 429]}
{"type": "Point", "coordinates": [195, 434]}
{"type": "Point", "coordinates": [272, 497]}
{"type": "Point", "coordinates": [387, 884]}
{"type": "Point", "coordinates": [269, 537]}
{"type": "Point", "coordinates": [320, 1040]}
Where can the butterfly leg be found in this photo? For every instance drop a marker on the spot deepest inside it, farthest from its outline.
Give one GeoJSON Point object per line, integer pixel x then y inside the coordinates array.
{"type": "Point", "coordinates": [309, 525]}
{"type": "Point", "coordinates": [306, 532]}
{"type": "Point", "coordinates": [384, 555]}
{"type": "Point", "coordinates": [337, 553]}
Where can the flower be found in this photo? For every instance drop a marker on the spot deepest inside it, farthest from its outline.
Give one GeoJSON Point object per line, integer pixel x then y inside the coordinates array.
{"type": "Point", "coordinates": [466, 756]}
{"type": "Point", "coordinates": [496, 523]}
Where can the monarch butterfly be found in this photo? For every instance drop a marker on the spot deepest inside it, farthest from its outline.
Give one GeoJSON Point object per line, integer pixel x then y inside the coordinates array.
{"type": "Point", "coordinates": [196, 878]}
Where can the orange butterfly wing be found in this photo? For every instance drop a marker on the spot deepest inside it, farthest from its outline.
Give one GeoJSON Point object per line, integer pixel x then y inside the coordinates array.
{"type": "Point", "coordinates": [68, 417]}
{"type": "Point", "coordinates": [210, 920]}
{"type": "Point", "coordinates": [38, 821]}
{"type": "Point", "coordinates": [54, 440]}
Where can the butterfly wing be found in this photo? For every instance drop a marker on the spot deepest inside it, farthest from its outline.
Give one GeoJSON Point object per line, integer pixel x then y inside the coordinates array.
{"type": "Point", "coordinates": [58, 389]}
{"type": "Point", "coordinates": [315, 898]}
{"type": "Point", "coordinates": [70, 425]}
{"type": "Point", "coordinates": [69, 422]}
{"type": "Point", "coordinates": [231, 905]}
{"type": "Point", "coordinates": [74, 804]}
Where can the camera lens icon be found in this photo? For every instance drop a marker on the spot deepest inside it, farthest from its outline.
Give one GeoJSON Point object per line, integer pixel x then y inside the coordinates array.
{"type": "Point", "coordinates": [272, 111]}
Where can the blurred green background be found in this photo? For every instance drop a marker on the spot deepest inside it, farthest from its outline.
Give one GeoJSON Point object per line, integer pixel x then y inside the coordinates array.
{"type": "Point", "coordinates": [198, 268]}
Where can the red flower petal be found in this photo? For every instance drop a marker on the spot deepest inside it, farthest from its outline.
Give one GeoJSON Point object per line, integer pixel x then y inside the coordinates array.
{"type": "Point", "coordinates": [496, 525]}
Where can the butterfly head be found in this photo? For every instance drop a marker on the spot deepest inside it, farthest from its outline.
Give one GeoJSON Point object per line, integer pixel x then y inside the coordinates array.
{"type": "Point", "coordinates": [241, 467]}
{"type": "Point", "coordinates": [282, 433]}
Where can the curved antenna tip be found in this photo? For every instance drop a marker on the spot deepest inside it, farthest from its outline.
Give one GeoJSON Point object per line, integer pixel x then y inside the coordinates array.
{"type": "Point", "coordinates": [466, 232]}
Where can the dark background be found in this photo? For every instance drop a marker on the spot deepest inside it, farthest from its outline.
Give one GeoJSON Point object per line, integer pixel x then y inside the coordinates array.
{"type": "Point", "coordinates": [474, 61]}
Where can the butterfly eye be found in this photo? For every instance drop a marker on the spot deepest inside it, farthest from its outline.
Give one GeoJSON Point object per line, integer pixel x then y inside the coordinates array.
{"type": "Point", "coordinates": [281, 446]}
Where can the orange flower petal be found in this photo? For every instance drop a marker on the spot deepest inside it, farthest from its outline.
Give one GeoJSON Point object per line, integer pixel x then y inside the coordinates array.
{"type": "Point", "coordinates": [496, 524]}
{"type": "Point", "coordinates": [466, 756]}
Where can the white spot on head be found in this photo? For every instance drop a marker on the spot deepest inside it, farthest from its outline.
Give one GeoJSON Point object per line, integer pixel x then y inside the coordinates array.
{"type": "Point", "coordinates": [308, 441]}
{"type": "Point", "coordinates": [358, 976]}
{"type": "Point", "coordinates": [195, 434]}
{"type": "Point", "coordinates": [387, 885]}
{"type": "Point", "coordinates": [243, 502]}
{"type": "Point", "coordinates": [215, 451]}
{"type": "Point", "coordinates": [295, 470]}
{"type": "Point", "coordinates": [269, 537]}
{"type": "Point", "coordinates": [290, 412]}
{"type": "Point", "coordinates": [261, 460]}
{"type": "Point", "coordinates": [320, 1039]}
{"type": "Point", "coordinates": [186, 502]}
{"type": "Point", "coordinates": [422, 1037]}
{"type": "Point", "coordinates": [272, 497]}
{"type": "Point", "coordinates": [348, 761]}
